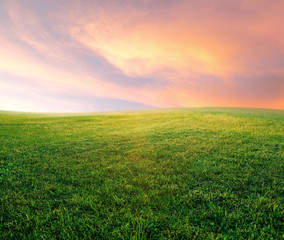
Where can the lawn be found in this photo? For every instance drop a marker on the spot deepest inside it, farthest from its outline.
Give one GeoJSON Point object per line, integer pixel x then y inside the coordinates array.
{"type": "Point", "coordinates": [208, 173]}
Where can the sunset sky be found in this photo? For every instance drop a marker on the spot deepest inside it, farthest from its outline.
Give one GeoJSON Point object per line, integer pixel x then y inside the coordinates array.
{"type": "Point", "coordinates": [104, 55]}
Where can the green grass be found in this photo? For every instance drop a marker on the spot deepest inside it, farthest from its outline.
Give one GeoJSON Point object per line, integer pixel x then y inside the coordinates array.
{"type": "Point", "coordinates": [160, 174]}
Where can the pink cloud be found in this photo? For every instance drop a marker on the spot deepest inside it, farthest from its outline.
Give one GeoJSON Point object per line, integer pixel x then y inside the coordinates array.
{"type": "Point", "coordinates": [196, 53]}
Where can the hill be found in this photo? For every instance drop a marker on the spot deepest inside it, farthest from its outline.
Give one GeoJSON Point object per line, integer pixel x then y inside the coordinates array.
{"type": "Point", "coordinates": [210, 173]}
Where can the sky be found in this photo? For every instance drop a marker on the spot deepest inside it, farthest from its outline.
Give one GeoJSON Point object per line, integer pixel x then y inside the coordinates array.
{"type": "Point", "coordinates": [106, 55]}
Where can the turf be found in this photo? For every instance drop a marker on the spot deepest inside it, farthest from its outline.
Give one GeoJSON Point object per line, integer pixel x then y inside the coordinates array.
{"type": "Point", "coordinates": [162, 174]}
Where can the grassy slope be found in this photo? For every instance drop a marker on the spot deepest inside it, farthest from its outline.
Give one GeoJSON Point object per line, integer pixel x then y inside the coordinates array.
{"type": "Point", "coordinates": [185, 173]}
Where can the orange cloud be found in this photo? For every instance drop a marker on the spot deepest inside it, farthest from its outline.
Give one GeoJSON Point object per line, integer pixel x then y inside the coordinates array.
{"type": "Point", "coordinates": [195, 53]}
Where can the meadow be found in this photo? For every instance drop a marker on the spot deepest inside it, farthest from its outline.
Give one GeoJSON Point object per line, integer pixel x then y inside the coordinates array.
{"type": "Point", "coordinates": [205, 173]}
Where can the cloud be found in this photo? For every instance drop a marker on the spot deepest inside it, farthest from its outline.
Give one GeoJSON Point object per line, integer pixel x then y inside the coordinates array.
{"type": "Point", "coordinates": [156, 53]}
{"type": "Point", "coordinates": [198, 41]}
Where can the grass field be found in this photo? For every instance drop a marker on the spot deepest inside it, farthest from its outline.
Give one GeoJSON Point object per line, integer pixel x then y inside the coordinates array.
{"type": "Point", "coordinates": [159, 174]}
